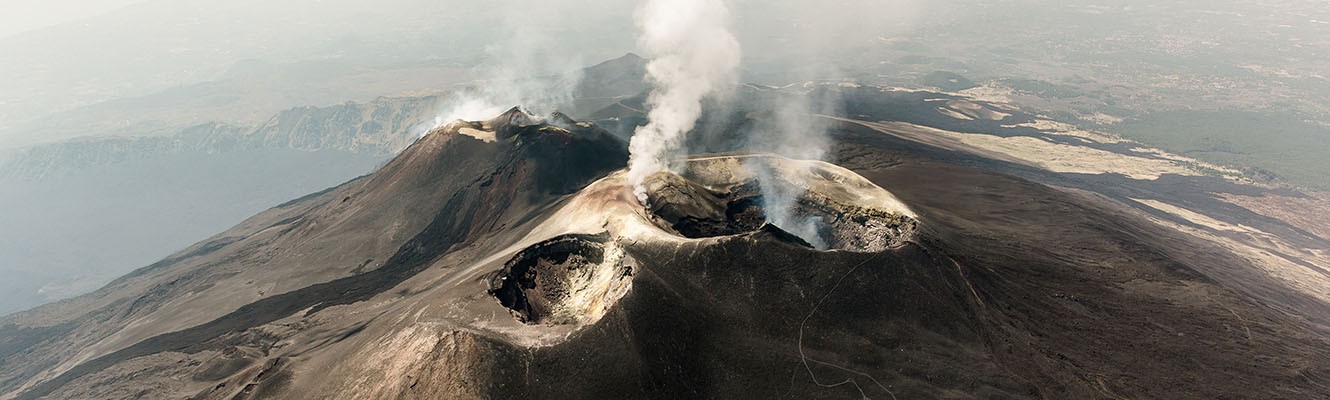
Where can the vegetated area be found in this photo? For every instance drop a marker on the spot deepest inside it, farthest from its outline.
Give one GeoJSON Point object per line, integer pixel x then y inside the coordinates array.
{"type": "Point", "coordinates": [1266, 146]}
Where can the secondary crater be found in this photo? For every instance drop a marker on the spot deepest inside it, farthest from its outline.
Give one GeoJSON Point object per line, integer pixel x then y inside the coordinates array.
{"type": "Point", "coordinates": [570, 279]}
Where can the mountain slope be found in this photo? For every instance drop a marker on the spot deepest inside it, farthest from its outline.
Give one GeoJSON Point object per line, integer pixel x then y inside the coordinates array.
{"type": "Point", "coordinates": [130, 200]}
{"type": "Point", "coordinates": [507, 258]}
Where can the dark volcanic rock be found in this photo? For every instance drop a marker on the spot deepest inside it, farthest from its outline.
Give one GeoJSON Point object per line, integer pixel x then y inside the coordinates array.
{"type": "Point", "coordinates": [694, 210]}
{"type": "Point", "coordinates": [507, 124]}
{"type": "Point", "coordinates": [541, 282]}
{"type": "Point", "coordinates": [985, 286]}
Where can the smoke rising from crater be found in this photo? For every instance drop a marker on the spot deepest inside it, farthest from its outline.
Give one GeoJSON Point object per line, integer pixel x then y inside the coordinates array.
{"type": "Point", "coordinates": [519, 75]}
{"type": "Point", "coordinates": [793, 130]}
{"type": "Point", "coordinates": [693, 54]}
{"type": "Point", "coordinates": [534, 58]}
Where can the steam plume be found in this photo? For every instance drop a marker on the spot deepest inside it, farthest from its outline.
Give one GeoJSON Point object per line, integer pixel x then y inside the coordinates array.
{"type": "Point", "coordinates": [792, 131]}
{"type": "Point", "coordinates": [693, 54]}
{"type": "Point", "coordinates": [525, 66]}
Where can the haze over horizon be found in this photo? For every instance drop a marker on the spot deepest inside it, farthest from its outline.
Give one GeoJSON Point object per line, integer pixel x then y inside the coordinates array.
{"type": "Point", "coordinates": [322, 53]}
{"type": "Point", "coordinates": [24, 16]}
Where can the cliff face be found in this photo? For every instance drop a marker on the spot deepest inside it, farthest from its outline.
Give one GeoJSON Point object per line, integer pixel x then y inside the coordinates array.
{"type": "Point", "coordinates": [381, 128]}
{"type": "Point", "coordinates": [384, 127]}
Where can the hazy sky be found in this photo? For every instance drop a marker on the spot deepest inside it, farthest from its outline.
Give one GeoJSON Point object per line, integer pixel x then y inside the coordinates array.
{"type": "Point", "coordinates": [24, 15]}
{"type": "Point", "coordinates": [118, 53]}
{"type": "Point", "coordinates": [131, 67]}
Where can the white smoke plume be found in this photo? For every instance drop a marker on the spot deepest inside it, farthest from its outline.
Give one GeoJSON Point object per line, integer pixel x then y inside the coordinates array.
{"type": "Point", "coordinates": [693, 55]}
{"type": "Point", "coordinates": [780, 197]}
{"type": "Point", "coordinates": [552, 83]}
{"type": "Point", "coordinates": [535, 61]}
{"type": "Point", "coordinates": [792, 129]}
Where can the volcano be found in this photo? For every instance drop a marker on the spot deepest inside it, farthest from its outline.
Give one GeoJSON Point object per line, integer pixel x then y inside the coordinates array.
{"type": "Point", "coordinates": [509, 258]}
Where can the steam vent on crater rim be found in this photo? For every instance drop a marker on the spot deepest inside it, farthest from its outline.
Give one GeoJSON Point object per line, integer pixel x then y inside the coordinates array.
{"type": "Point", "coordinates": [577, 276]}
{"type": "Point", "coordinates": [509, 258]}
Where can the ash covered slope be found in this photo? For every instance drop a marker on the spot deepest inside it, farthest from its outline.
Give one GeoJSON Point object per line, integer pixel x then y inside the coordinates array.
{"type": "Point", "coordinates": [507, 259]}
{"type": "Point", "coordinates": [340, 246]}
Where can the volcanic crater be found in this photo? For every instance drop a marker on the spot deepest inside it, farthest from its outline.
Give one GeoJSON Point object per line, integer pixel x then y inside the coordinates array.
{"type": "Point", "coordinates": [734, 194]}
{"type": "Point", "coordinates": [580, 263]}
{"type": "Point", "coordinates": [564, 280]}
